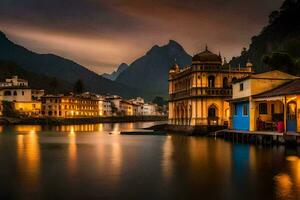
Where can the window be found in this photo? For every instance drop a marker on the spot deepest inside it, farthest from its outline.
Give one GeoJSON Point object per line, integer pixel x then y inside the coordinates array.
{"type": "Point", "coordinates": [15, 93]}
{"type": "Point", "coordinates": [241, 86]}
{"type": "Point", "coordinates": [263, 108]}
{"type": "Point", "coordinates": [211, 112]}
{"type": "Point", "coordinates": [245, 110]}
{"type": "Point", "coordinates": [23, 93]}
{"type": "Point", "coordinates": [7, 93]}
{"type": "Point", "coordinates": [211, 81]}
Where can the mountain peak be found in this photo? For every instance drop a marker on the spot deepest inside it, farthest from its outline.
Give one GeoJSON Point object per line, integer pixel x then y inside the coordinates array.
{"type": "Point", "coordinates": [3, 36]}
{"type": "Point", "coordinates": [173, 43]}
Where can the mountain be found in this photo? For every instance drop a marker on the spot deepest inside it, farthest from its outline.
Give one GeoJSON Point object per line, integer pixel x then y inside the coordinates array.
{"type": "Point", "coordinates": [114, 75]}
{"type": "Point", "coordinates": [281, 35]}
{"type": "Point", "coordinates": [150, 72]}
{"type": "Point", "coordinates": [61, 68]}
{"type": "Point", "coordinates": [9, 69]}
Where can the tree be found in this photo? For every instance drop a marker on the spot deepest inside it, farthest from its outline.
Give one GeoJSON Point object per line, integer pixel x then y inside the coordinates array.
{"type": "Point", "coordinates": [78, 87]}
{"type": "Point", "coordinates": [53, 85]}
{"type": "Point", "coordinates": [280, 61]}
{"type": "Point", "coordinates": [273, 16]}
{"type": "Point", "coordinates": [159, 101]}
{"type": "Point", "coordinates": [8, 109]}
{"type": "Point", "coordinates": [244, 51]}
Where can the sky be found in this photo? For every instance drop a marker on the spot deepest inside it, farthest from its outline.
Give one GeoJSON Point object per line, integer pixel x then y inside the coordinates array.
{"type": "Point", "coordinates": [101, 34]}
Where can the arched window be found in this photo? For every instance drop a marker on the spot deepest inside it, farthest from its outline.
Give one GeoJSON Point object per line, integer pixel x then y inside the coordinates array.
{"type": "Point", "coordinates": [234, 79]}
{"type": "Point", "coordinates": [7, 93]}
{"type": "Point", "coordinates": [15, 93]}
{"type": "Point", "coordinates": [211, 81]}
{"type": "Point", "coordinates": [225, 82]}
{"type": "Point", "coordinates": [212, 112]}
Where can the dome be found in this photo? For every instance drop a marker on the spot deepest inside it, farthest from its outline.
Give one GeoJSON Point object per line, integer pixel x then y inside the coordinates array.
{"type": "Point", "coordinates": [174, 68]}
{"type": "Point", "coordinates": [207, 56]}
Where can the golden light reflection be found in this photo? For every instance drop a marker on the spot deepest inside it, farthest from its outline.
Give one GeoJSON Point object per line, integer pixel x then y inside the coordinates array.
{"type": "Point", "coordinates": [292, 158]}
{"type": "Point", "coordinates": [28, 154]}
{"type": "Point", "coordinates": [284, 186]}
{"type": "Point", "coordinates": [167, 165]}
{"type": "Point", "coordinates": [252, 158]}
{"type": "Point", "coordinates": [72, 151]}
{"type": "Point", "coordinates": [117, 159]}
{"type": "Point", "coordinates": [28, 128]}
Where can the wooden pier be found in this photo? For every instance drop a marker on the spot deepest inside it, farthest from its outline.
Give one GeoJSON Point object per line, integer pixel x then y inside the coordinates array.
{"type": "Point", "coordinates": [258, 137]}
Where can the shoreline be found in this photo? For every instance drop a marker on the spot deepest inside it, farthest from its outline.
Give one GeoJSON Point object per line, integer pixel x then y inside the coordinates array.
{"type": "Point", "coordinates": [75, 121]}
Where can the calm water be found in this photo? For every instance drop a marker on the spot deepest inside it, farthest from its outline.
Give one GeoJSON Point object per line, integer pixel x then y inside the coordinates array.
{"type": "Point", "coordinates": [85, 162]}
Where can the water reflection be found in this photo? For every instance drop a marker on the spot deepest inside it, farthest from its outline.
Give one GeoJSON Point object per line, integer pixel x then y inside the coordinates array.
{"type": "Point", "coordinates": [128, 167]}
{"type": "Point", "coordinates": [72, 152]}
{"type": "Point", "coordinates": [167, 163]}
{"type": "Point", "coordinates": [28, 158]}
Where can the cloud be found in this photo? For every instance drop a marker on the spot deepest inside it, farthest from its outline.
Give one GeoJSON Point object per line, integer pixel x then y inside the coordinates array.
{"type": "Point", "coordinates": [103, 33]}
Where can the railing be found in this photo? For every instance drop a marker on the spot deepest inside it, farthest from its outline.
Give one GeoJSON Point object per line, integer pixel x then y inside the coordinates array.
{"type": "Point", "coordinates": [199, 92]}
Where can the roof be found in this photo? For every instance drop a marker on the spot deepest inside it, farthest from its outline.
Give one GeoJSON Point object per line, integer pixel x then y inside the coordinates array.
{"type": "Point", "coordinates": [272, 75]}
{"type": "Point", "coordinates": [291, 87]}
{"type": "Point", "coordinates": [238, 99]}
{"type": "Point", "coordinates": [207, 56]}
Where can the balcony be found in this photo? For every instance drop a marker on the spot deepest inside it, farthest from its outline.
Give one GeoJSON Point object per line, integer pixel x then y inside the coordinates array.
{"type": "Point", "coordinates": [201, 92]}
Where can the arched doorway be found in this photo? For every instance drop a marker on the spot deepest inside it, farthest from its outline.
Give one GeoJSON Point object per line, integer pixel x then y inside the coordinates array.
{"type": "Point", "coordinates": [211, 81]}
{"type": "Point", "coordinates": [291, 121]}
{"type": "Point", "coordinates": [212, 115]}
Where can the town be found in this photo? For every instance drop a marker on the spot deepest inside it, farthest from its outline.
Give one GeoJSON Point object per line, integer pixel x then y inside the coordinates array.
{"type": "Point", "coordinates": [19, 100]}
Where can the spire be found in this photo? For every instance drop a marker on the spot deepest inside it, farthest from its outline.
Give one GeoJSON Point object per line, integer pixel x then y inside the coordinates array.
{"type": "Point", "coordinates": [206, 48]}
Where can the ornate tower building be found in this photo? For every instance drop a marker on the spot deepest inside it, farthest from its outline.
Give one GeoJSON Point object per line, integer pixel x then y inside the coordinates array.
{"type": "Point", "coordinates": [198, 93]}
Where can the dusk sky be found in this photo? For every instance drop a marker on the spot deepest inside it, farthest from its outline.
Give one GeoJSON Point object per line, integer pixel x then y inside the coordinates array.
{"type": "Point", "coordinates": [101, 34]}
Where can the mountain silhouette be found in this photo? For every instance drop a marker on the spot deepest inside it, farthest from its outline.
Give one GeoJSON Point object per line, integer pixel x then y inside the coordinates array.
{"type": "Point", "coordinates": [150, 72]}
{"type": "Point", "coordinates": [61, 68]}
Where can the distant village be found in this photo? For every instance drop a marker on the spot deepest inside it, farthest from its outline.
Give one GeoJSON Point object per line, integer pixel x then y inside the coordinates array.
{"type": "Point", "coordinates": [18, 99]}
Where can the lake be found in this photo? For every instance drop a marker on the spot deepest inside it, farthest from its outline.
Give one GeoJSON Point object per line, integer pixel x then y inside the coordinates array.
{"type": "Point", "coordinates": [86, 162]}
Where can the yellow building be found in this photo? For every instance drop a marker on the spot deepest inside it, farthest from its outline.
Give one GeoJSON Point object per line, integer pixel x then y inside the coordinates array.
{"type": "Point", "coordinates": [198, 93]}
{"type": "Point", "coordinates": [127, 108]}
{"type": "Point", "coordinates": [71, 106]}
{"type": "Point", "coordinates": [262, 102]}
{"type": "Point", "coordinates": [29, 108]}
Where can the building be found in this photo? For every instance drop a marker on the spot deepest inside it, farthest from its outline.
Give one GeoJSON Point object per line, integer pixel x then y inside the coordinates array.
{"type": "Point", "coordinates": [70, 106]}
{"type": "Point", "coordinates": [198, 93]}
{"type": "Point", "coordinates": [265, 102]}
{"type": "Point", "coordinates": [14, 81]}
{"type": "Point", "coordinates": [18, 92]}
{"type": "Point", "coordinates": [138, 106]}
{"type": "Point", "coordinates": [28, 108]}
{"type": "Point", "coordinates": [150, 109]}
{"type": "Point", "coordinates": [127, 108]}
{"type": "Point", "coordinates": [104, 107]}
{"type": "Point", "coordinates": [115, 102]}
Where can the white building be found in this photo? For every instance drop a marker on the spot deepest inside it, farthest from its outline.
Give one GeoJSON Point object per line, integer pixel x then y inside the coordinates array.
{"type": "Point", "coordinates": [115, 102]}
{"type": "Point", "coordinates": [14, 81]}
{"type": "Point", "coordinates": [104, 107]}
{"type": "Point", "coordinates": [149, 109]}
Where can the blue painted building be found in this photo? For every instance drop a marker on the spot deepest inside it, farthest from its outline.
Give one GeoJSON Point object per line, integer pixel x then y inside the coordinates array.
{"type": "Point", "coordinates": [240, 117]}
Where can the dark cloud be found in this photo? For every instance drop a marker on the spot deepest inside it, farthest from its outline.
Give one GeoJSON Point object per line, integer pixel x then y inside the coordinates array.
{"type": "Point", "coordinates": [104, 33]}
